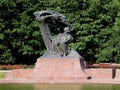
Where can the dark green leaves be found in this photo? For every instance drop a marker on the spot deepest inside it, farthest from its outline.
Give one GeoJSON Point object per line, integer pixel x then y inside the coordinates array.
{"type": "Point", "coordinates": [96, 29]}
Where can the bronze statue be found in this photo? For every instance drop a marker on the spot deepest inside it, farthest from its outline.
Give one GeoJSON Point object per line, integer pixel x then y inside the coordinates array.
{"type": "Point", "coordinates": [57, 46]}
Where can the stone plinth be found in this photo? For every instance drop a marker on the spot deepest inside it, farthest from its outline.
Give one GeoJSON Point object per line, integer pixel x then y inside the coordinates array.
{"type": "Point", "coordinates": [56, 70]}
{"type": "Point", "coordinates": [62, 70]}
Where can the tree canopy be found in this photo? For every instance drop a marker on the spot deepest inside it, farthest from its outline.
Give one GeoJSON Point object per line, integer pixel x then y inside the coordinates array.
{"type": "Point", "coordinates": [96, 29]}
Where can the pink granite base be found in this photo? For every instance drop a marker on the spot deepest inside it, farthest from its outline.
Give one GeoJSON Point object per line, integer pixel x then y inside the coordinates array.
{"type": "Point", "coordinates": [62, 70]}
{"type": "Point", "coordinates": [59, 70]}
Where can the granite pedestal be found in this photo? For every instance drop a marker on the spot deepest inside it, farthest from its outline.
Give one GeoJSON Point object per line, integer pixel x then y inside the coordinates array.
{"type": "Point", "coordinates": [56, 70]}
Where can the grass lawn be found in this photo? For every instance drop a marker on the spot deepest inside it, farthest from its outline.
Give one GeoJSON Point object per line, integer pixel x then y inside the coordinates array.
{"type": "Point", "coordinates": [2, 75]}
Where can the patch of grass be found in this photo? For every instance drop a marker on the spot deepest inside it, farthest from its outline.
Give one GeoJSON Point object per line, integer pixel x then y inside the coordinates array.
{"type": "Point", "coordinates": [2, 75]}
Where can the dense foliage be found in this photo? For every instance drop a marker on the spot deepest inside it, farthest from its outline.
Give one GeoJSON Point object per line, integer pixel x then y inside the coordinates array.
{"type": "Point", "coordinates": [96, 29]}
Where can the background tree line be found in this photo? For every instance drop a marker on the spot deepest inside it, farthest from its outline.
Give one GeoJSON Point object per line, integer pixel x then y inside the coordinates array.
{"type": "Point", "coordinates": [96, 29]}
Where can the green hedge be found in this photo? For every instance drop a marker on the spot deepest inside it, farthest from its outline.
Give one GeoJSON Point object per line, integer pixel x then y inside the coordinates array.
{"type": "Point", "coordinates": [96, 29]}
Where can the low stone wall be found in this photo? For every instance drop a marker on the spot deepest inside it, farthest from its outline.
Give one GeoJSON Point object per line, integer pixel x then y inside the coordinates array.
{"type": "Point", "coordinates": [19, 74]}
{"type": "Point", "coordinates": [117, 74]}
{"type": "Point", "coordinates": [99, 73]}
{"type": "Point", "coordinates": [104, 65]}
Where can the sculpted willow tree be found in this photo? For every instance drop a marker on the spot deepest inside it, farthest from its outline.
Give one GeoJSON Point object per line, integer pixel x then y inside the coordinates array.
{"type": "Point", "coordinates": [57, 46]}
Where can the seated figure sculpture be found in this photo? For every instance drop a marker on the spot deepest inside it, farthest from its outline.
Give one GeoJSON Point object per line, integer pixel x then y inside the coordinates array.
{"type": "Point", "coordinates": [57, 46]}
{"type": "Point", "coordinates": [60, 43]}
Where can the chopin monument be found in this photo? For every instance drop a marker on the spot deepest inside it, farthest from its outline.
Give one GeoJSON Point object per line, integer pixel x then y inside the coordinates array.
{"type": "Point", "coordinates": [57, 46]}
{"type": "Point", "coordinates": [59, 63]}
